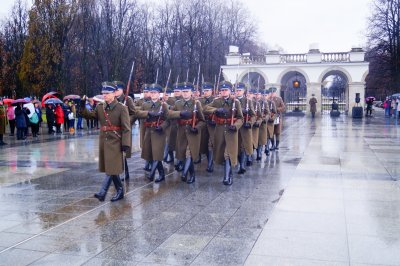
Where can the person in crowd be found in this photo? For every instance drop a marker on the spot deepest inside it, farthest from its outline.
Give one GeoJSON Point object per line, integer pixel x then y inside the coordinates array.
{"type": "Point", "coordinates": [20, 122]}
{"type": "Point", "coordinates": [11, 119]}
{"type": "Point", "coordinates": [50, 117]}
{"type": "Point", "coordinates": [3, 121]}
{"type": "Point", "coordinates": [59, 118]}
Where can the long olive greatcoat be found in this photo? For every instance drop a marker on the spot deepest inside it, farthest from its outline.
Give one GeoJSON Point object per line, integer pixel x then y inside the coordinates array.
{"type": "Point", "coordinates": [142, 129]}
{"type": "Point", "coordinates": [280, 107]}
{"type": "Point", "coordinates": [207, 132]}
{"type": "Point", "coordinates": [256, 130]}
{"type": "Point", "coordinates": [3, 119]}
{"type": "Point", "coordinates": [185, 137]}
{"type": "Point", "coordinates": [224, 139]}
{"type": "Point", "coordinates": [128, 102]}
{"type": "Point", "coordinates": [171, 130]}
{"type": "Point", "coordinates": [110, 142]}
{"type": "Point", "coordinates": [270, 121]}
{"type": "Point", "coordinates": [263, 134]}
{"type": "Point", "coordinates": [245, 138]}
{"type": "Point", "coordinates": [313, 105]}
{"type": "Point", "coordinates": [153, 141]}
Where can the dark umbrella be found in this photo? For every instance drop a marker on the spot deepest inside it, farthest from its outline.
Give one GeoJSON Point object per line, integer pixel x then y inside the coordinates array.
{"type": "Point", "coordinates": [72, 97]}
{"type": "Point", "coordinates": [18, 101]}
{"type": "Point", "coordinates": [53, 101]}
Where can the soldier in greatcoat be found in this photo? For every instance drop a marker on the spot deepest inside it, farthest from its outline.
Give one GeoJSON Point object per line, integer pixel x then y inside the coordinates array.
{"type": "Point", "coordinates": [154, 114]}
{"type": "Point", "coordinates": [3, 121]}
{"type": "Point", "coordinates": [228, 118]}
{"type": "Point", "coordinates": [280, 108]}
{"type": "Point", "coordinates": [270, 122]}
{"type": "Point", "coordinates": [177, 87]}
{"type": "Point", "coordinates": [207, 132]}
{"type": "Point", "coordinates": [128, 102]}
{"type": "Point", "coordinates": [115, 138]}
{"type": "Point", "coordinates": [189, 113]}
{"type": "Point", "coordinates": [171, 139]}
{"type": "Point", "coordinates": [142, 129]}
{"type": "Point", "coordinates": [245, 142]}
{"type": "Point", "coordinates": [262, 135]}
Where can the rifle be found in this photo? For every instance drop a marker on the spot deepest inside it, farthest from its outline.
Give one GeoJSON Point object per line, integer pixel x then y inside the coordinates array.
{"type": "Point", "coordinates": [163, 99]}
{"type": "Point", "coordinates": [234, 102]}
{"type": "Point", "coordinates": [219, 75]}
{"type": "Point", "coordinates": [129, 81]}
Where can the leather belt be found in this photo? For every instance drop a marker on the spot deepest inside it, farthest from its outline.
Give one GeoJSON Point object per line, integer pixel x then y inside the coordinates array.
{"type": "Point", "coordinates": [224, 121]}
{"type": "Point", "coordinates": [153, 124]}
{"type": "Point", "coordinates": [185, 122]}
{"type": "Point", "coordinates": [110, 128]}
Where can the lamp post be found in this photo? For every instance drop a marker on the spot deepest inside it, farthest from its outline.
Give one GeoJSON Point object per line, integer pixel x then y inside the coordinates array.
{"type": "Point", "coordinates": [296, 85]}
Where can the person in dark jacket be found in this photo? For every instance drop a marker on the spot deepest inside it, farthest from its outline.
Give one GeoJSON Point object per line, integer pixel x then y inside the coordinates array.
{"type": "Point", "coordinates": [20, 122]}
{"type": "Point", "coordinates": [50, 117]}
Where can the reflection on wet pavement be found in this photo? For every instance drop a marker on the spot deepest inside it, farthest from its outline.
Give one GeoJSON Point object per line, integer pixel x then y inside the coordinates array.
{"type": "Point", "coordinates": [326, 197]}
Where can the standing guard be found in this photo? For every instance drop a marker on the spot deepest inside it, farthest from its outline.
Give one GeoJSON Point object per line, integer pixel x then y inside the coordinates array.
{"type": "Point", "coordinates": [280, 108]}
{"type": "Point", "coordinates": [270, 121]}
{"type": "Point", "coordinates": [245, 142]}
{"type": "Point", "coordinates": [207, 133]}
{"type": "Point", "coordinates": [228, 118]}
{"type": "Point", "coordinates": [155, 122]}
{"type": "Point", "coordinates": [128, 102]}
{"type": "Point", "coordinates": [190, 123]}
{"type": "Point", "coordinates": [115, 138]}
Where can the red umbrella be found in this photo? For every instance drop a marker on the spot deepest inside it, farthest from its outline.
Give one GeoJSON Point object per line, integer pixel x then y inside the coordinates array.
{"type": "Point", "coordinates": [98, 98]}
{"type": "Point", "coordinates": [8, 101]}
{"type": "Point", "coordinates": [48, 96]}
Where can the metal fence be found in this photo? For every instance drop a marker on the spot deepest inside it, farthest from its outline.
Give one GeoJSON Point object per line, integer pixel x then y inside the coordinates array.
{"type": "Point", "coordinates": [295, 99]}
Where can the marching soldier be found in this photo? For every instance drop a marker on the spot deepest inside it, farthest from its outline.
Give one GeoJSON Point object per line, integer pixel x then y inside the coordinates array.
{"type": "Point", "coordinates": [171, 131]}
{"type": "Point", "coordinates": [115, 138]}
{"type": "Point", "coordinates": [270, 122]}
{"type": "Point", "coordinates": [3, 121]}
{"type": "Point", "coordinates": [257, 122]}
{"type": "Point", "coordinates": [245, 142]}
{"type": "Point", "coordinates": [128, 102]}
{"type": "Point", "coordinates": [174, 128]}
{"type": "Point", "coordinates": [207, 133]}
{"type": "Point", "coordinates": [280, 108]}
{"type": "Point", "coordinates": [228, 118]}
{"type": "Point", "coordinates": [190, 123]}
{"type": "Point", "coordinates": [262, 135]}
{"type": "Point", "coordinates": [142, 129]}
{"type": "Point", "coordinates": [154, 113]}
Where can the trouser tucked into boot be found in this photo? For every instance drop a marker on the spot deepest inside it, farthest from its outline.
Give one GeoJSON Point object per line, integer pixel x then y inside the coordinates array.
{"type": "Point", "coordinates": [242, 160]}
{"type": "Point", "coordinates": [118, 187]}
{"type": "Point", "coordinates": [227, 173]}
{"type": "Point", "coordinates": [161, 173]}
{"type": "Point", "coordinates": [210, 162]}
{"type": "Point", "coordinates": [101, 195]}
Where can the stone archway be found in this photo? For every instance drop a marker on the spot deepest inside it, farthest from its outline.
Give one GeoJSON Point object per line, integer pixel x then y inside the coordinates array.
{"type": "Point", "coordinates": [294, 91]}
{"type": "Point", "coordinates": [334, 89]}
{"type": "Point", "coordinates": [253, 79]}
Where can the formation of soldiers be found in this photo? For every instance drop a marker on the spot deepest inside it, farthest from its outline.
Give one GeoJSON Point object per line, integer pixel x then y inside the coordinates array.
{"type": "Point", "coordinates": [226, 124]}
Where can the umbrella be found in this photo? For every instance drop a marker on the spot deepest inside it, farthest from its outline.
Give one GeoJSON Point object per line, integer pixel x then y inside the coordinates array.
{"type": "Point", "coordinates": [396, 95]}
{"type": "Point", "coordinates": [72, 97]}
{"type": "Point", "coordinates": [8, 101]}
{"type": "Point", "coordinates": [53, 101]}
{"type": "Point", "coordinates": [99, 98]}
{"type": "Point", "coordinates": [18, 101]}
{"type": "Point", "coordinates": [48, 96]}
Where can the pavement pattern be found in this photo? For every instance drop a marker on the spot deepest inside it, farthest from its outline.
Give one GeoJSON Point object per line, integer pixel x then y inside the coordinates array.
{"type": "Point", "coordinates": [329, 196]}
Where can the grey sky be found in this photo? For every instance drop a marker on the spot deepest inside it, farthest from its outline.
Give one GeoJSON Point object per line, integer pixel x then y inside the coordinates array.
{"type": "Point", "coordinates": [336, 26]}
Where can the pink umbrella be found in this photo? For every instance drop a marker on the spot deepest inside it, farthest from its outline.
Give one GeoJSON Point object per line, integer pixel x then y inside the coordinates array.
{"type": "Point", "coordinates": [72, 97]}
{"type": "Point", "coordinates": [17, 101]}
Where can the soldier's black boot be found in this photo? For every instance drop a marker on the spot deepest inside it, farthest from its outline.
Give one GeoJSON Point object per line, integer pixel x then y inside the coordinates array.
{"type": "Point", "coordinates": [147, 166]}
{"type": "Point", "coordinates": [161, 173]}
{"type": "Point", "coordinates": [267, 147]}
{"type": "Point", "coordinates": [273, 144]}
{"type": "Point", "coordinates": [259, 156]}
{"type": "Point", "coordinates": [242, 159]}
{"type": "Point", "coordinates": [171, 157]}
{"type": "Point", "coordinates": [192, 176]}
{"type": "Point", "coordinates": [1, 140]}
{"type": "Point", "coordinates": [165, 159]}
{"type": "Point", "coordinates": [228, 173]}
{"type": "Point", "coordinates": [154, 166]}
{"type": "Point", "coordinates": [126, 170]}
{"type": "Point", "coordinates": [101, 195]}
{"type": "Point", "coordinates": [179, 166]}
{"type": "Point", "coordinates": [119, 187]}
{"type": "Point", "coordinates": [188, 162]}
{"type": "Point", "coordinates": [198, 160]}
{"type": "Point", "coordinates": [249, 161]}
{"type": "Point", "coordinates": [277, 145]}
{"type": "Point", "coordinates": [210, 162]}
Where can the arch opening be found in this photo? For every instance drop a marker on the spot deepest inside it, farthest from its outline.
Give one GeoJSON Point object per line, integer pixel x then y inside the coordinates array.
{"type": "Point", "coordinates": [334, 89]}
{"type": "Point", "coordinates": [294, 91]}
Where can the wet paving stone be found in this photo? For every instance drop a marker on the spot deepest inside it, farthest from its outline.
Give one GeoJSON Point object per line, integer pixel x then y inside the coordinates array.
{"type": "Point", "coordinates": [205, 223]}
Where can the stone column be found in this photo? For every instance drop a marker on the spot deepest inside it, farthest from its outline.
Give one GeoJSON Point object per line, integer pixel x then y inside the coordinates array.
{"type": "Point", "coordinates": [356, 87]}
{"type": "Point", "coordinates": [314, 88]}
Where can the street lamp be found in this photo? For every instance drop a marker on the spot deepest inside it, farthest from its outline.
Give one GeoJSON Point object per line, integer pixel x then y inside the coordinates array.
{"type": "Point", "coordinates": [296, 85]}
